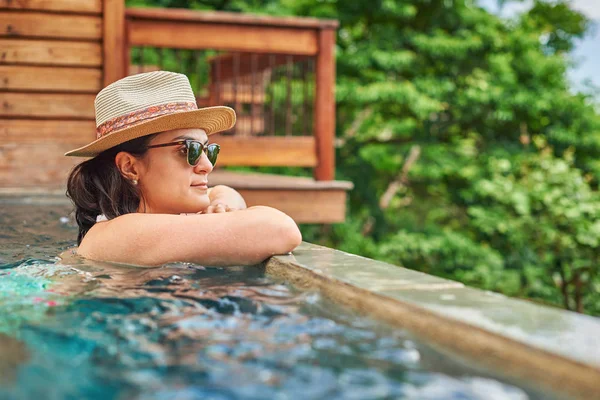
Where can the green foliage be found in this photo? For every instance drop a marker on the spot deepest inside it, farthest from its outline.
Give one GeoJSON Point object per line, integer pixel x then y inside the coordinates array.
{"type": "Point", "coordinates": [504, 193]}
{"type": "Point", "coordinates": [448, 254]}
{"type": "Point", "coordinates": [465, 123]}
{"type": "Point", "coordinates": [543, 216]}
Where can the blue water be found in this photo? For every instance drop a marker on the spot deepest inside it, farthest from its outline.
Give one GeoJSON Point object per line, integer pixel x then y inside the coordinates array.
{"type": "Point", "coordinates": [74, 329]}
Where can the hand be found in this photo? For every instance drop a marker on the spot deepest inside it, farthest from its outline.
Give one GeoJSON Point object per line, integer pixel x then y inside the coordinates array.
{"type": "Point", "coordinates": [226, 196]}
{"type": "Point", "coordinates": [218, 208]}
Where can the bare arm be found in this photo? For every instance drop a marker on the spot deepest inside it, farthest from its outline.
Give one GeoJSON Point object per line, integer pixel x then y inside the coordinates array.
{"type": "Point", "coordinates": [235, 238]}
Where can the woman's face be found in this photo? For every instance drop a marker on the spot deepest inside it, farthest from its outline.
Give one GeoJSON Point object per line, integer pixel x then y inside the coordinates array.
{"type": "Point", "coordinates": [167, 182]}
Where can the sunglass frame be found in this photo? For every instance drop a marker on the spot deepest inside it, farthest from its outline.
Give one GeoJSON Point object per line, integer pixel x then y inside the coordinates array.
{"type": "Point", "coordinates": [193, 158]}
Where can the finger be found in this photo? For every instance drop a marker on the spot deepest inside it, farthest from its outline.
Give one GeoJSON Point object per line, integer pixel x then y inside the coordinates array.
{"type": "Point", "coordinates": [209, 210]}
{"type": "Point", "coordinates": [220, 208]}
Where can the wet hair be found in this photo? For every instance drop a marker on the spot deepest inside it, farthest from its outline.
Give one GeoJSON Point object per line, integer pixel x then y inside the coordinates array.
{"type": "Point", "coordinates": [96, 186]}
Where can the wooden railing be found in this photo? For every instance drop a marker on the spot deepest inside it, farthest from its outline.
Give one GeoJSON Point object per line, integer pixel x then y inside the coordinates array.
{"type": "Point", "coordinates": [278, 74]}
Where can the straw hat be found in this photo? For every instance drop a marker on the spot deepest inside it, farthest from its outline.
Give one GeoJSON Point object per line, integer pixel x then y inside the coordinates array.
{"type": "Point", "coordinates": [144, 104]}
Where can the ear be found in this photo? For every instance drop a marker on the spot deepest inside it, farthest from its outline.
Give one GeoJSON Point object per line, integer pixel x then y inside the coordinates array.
{"type": "Point", "coordinates": [128, 165]}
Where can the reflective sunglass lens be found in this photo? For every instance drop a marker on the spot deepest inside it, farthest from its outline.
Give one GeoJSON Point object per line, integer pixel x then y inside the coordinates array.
{"type": "Point", "coordinates": [212, 151]}
{"type": "Point", "coordinates": [194, 151]}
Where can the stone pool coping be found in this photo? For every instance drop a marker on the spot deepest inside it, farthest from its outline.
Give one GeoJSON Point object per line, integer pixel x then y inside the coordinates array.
{"type": "Point", "coordinates": [537, 345]}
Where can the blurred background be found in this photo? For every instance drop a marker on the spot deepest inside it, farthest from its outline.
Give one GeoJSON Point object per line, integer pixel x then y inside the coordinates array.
{"type": "Point", "coordinates": [471, 132]}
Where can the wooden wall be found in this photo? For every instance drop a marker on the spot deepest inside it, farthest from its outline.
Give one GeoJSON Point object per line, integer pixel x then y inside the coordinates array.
{"type": "Point", "coordinates": [55, 55]}
{"type": "Point", "coordinates": [51, 67]}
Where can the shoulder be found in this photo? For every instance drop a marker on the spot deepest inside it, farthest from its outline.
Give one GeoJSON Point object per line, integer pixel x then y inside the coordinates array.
{"type": "Point", "coordinates": [100, 242]}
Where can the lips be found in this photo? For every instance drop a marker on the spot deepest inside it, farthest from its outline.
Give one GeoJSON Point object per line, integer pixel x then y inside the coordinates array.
{"type": "Point", "coordinates": [200, 185]}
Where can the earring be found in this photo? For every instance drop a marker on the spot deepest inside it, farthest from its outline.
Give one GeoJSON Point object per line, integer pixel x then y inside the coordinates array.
{"type": "Point", "coordinates": [135, 181]}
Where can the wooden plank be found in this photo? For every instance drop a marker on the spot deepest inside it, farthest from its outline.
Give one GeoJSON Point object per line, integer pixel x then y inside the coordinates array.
{"type": "Point", "coordinates": [72, 133]}
{"type": "Point", "coordinates": [44, 105]}
{"type": "Point", "coordinates": [53, 26]}
{"type": "Point", "coordinates": [325, 106]}
{"type": "Point", "coordinates": [248, 125]}
{"type": "Point", "coordinates": [224, 93]}
{"type": "Point", "coordinates": [296, 151]}
{"type": "Point", "coordinates": [185, 35]}
{"type": "Point", "coordinates": [254, 180]}
{"type": "Point", "coordinates": [229, 18]}
{"type": "Point", "coordinates": [76, 6]}
{"type": "Point", "coordinates": [35, 165]}
{"type": "Point", "coordinates": [139, 69]}
{"type": "Point", "coordinates": [304, 206]}
{"type": "Point", "coordinates": [204, 102]}
{"type": "Point", "coordinates": [50, 52]}
{"type": "Point", "coordinates": [240, 93]}
{"type": "Point", "coordinates": [115, 47]}
{"type": "Point", "coordinates": [223, 67]}
{"type": "Point", "coordinates": [40, 79]}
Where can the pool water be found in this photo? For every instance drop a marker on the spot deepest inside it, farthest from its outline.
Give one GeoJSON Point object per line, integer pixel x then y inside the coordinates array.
{"type": "Point", "coordinates": [72, 329]}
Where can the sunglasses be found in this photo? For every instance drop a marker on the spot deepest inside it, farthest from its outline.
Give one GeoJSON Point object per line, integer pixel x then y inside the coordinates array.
{"type": "Point", "coordinates": [194, 150]}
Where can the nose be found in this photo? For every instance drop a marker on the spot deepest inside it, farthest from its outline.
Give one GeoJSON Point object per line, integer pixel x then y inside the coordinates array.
{"type": "Point", "coordinates": [204, 165]}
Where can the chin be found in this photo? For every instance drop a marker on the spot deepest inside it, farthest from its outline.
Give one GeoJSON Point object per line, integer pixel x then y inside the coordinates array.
{"type": "Point", "coordinates": [199, 203]}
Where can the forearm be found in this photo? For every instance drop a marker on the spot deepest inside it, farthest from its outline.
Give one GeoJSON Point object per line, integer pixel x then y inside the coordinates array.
{"type": "Point", "coordinates": [228, 196]}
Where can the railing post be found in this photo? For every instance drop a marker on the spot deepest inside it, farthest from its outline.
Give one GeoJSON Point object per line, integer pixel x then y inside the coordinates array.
{"type": "Point", "coordinates": [325, 106]}
{"type": "Point", "coordinates": [114, 44]}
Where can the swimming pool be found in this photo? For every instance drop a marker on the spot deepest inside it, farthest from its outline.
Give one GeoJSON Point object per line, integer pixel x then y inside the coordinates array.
{"type": "Point", "coordinates": [80, 329]}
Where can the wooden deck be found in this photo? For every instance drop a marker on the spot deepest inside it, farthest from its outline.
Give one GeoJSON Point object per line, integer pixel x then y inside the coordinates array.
{"type": "Point", "coordinates": [56, 55]}
{"type": "Point", "coordinates": [304, 199]}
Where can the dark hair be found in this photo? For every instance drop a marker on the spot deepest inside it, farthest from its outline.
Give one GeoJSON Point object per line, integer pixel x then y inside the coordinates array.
{"type": "Point", "coordinates": [96, 186]}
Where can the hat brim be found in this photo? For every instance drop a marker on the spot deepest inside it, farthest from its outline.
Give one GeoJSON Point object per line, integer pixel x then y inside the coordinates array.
{"type": "Point", "coordinates": [210, 119]}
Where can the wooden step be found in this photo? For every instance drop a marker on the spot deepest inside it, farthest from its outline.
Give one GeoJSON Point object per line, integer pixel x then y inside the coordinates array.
{"type": "Point", "coordinates": [304, 199]}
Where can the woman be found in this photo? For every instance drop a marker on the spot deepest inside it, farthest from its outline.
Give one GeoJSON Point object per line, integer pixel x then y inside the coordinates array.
{"type": "Point", "coordinates": [143, 197]}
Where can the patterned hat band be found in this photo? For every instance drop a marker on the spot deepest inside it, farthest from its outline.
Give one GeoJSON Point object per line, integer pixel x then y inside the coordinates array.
{"type": "Point", "coordinates": [139, 116]}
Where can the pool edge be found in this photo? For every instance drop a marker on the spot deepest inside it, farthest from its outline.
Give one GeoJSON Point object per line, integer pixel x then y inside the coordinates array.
{"type": "Point", "coordinates": [497, 352]}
